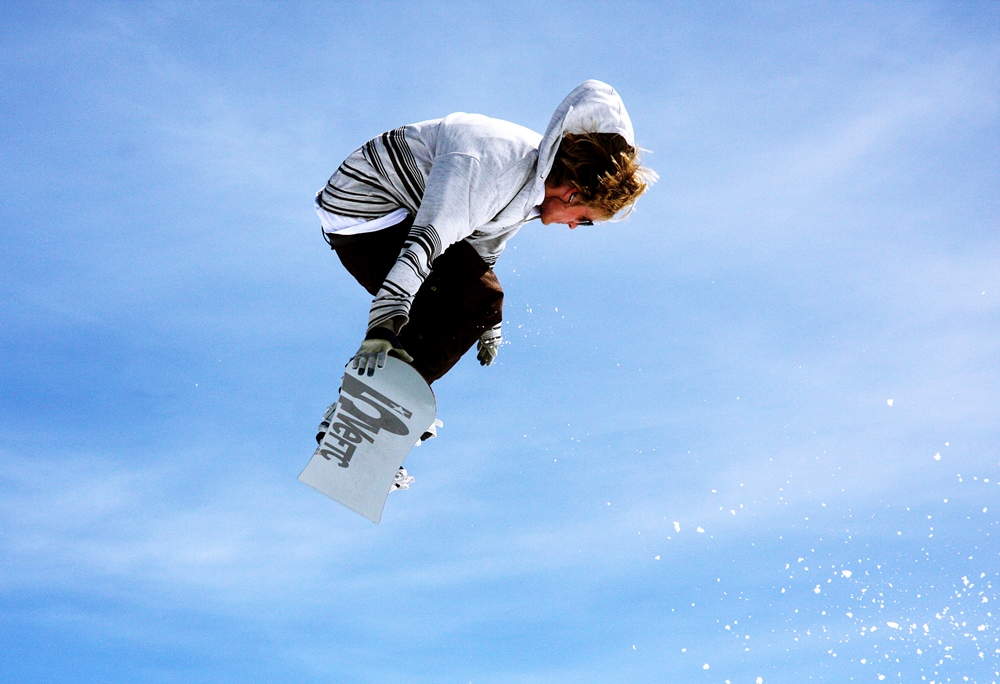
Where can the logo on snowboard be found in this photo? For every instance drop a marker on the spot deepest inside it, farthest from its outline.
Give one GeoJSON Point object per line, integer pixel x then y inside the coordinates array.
{"type": "Point", "coordinates": [353, 425]}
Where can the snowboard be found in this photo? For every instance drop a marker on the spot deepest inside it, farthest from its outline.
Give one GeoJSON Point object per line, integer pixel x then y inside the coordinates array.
{"type": "Point", "coordinates": [374, 424]}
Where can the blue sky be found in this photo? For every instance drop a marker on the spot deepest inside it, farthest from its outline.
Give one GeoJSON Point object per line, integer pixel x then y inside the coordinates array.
{"type": "Point", "coordinates": [750, 432]}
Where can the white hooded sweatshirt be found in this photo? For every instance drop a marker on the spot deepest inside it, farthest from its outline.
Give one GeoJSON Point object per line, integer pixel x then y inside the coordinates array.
{"type": "Point", "coordinates": [464, 177]}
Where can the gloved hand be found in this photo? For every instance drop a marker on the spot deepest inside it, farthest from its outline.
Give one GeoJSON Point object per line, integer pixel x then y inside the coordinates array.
{"type": "Point", "coordinates": [489, 345]}
{"type": "Point", "coordinates": [487, 353]}
{"type": "Point", "coordinates": [377, 345]}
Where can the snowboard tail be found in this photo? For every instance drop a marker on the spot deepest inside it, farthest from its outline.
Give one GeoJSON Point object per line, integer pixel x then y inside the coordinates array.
{"type": "Point", "coordinates": [375, 423]}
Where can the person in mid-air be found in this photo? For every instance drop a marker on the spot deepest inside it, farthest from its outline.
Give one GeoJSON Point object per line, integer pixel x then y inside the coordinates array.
{"type": "Point", "coordinates": [419, 215]}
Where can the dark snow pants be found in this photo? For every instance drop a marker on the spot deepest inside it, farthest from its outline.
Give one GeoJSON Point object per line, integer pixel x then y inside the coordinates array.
{"type": "Point", "coordinates": [460, 299]}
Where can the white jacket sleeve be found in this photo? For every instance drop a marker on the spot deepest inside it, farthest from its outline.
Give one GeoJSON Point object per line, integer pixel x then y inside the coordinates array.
{"type": "Point", "coordinates": [459, 195]}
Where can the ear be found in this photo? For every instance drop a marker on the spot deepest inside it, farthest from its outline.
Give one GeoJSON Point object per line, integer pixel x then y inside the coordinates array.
{"type": "Point", "coordinates": [567, 192]}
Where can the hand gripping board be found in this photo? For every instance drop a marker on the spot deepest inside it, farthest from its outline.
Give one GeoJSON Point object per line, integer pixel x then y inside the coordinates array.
{"type": "Point", "coordinates": [377, 421]}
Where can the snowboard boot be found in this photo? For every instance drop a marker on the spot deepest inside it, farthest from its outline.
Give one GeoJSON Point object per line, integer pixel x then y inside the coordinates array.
{"type": "Point", "coordinates": [402, 480]}
{"type": "Point", "coordinates": [324, 424]}
{"type": "Point", "coordinates": [430, 433]}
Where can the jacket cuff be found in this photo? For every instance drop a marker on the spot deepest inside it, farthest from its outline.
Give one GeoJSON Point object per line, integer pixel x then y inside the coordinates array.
{"type": "Point", "coordinates": [380, 333]}
{"type": "Point", "coordinates": [492, 335]}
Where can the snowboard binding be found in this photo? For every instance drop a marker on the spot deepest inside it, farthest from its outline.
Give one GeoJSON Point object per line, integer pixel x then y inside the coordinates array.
{"type": "Point", "coordinates": [401, 480]}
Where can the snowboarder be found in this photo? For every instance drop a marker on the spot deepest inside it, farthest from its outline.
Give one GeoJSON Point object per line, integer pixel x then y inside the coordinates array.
{"type": "Point", "coordinates": [419, 215]}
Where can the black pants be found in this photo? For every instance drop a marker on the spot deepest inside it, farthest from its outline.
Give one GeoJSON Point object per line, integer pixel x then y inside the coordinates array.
{"type": "Point", "coordinates": [460, 299]}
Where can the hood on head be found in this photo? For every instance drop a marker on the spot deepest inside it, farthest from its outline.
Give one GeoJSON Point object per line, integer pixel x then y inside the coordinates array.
{"type": "Point", "coordinates": [592, 107]}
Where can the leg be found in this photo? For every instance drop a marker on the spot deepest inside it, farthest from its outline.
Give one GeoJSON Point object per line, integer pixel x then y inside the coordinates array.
{"type": "Point", "coordinates": [370, 256]}
{"type": "Point", "coordinates": [459, 300]}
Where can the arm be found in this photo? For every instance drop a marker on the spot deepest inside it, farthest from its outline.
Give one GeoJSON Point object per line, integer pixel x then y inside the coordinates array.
{"type": "Point", "coordinates": [459, 195]}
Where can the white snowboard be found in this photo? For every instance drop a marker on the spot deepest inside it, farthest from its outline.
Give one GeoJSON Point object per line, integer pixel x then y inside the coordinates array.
{"type": "Point", "coordinates": [377, 421]}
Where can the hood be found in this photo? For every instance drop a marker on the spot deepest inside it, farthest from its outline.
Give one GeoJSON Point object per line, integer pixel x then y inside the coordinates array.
{"type": "Point", "coordinates": [592, 107]}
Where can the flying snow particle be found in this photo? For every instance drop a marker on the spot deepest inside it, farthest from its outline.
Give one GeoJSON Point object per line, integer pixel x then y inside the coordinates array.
{"type": "Point", "coordinates": [881, 677]}
{"type": "Point", "coordinates": [889, 402]}
{"type": "Point", "coordinates": [817, 589]}
{"type": "Point", "coordinates": [760, 680]}
{"type": "Point", "coordinates": [633, 647]}
{"type": "Point", "coordinates": [656, 558]}
{"type": "Point", "coordinates": [894, 625]}
{"type": "Point", "coordinates": [705, 666]}
{"type": "Point", "coordinates": [845, 573]}
{"type": "Point", "coordinates": [677, 526]}
{"type": "Point", "coordinates": [937, 457]}
{"type": "Point", "coordinates": [702, 529]}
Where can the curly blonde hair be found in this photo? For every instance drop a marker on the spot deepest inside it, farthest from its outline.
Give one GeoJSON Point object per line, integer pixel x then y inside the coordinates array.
{"type": "Point", "coordinates": [604, 168]}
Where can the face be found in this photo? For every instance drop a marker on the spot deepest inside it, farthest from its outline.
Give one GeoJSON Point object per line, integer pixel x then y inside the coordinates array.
{"type": "Point", "coordinates": [561, 206]}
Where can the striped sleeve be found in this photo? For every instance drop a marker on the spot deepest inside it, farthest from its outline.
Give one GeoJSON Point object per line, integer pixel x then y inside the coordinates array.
{"type": "Point", "coordinates": [378, 178]}
{"type": "Point", "coordinates": [459, 195]}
